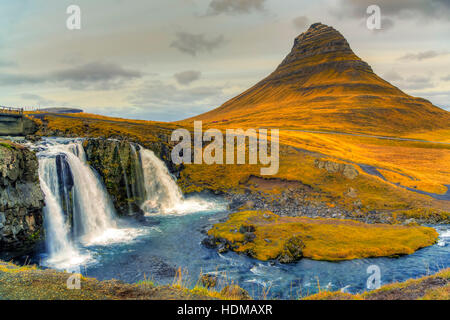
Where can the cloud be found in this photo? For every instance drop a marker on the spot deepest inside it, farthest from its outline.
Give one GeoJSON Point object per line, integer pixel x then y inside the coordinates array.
{"type": "Point", "coordinates": [161, 101]}
{"type": "Point", "coordinates": [96, 71]}
{"type": "Point", "coordinates": [94, 76]}
{"type": "Point", "coordinates": [417, 82]}
{"type": "Point", "coordinates": [301, 22]}
{"type": "Point", "coordinates": [422, 55]}
{"type": "Point", "coordinates": [38, 100]}
{"type": "Point", "coordinates": [7, 64]}
{"type": "Point", "coordinates": [386, 24]}
{"type": "Point", "coordinates": [195, 43]}
{"type": "Point", "coordinates": [401, 9]}
{"type": "Point", "coordinates": [392, 76]}
{"type": "Point", "coordinates": [235, 6]}
{"type": "Point", "coordinates": [9, 79]}
{"type": "Point", "coordinates": [446, 78]}
{"type": "Point", "coordinates": [187, 77]}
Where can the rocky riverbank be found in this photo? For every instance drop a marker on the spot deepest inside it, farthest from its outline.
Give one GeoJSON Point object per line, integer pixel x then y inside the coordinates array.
{"type": "Point", "coordinates": [299, 203]}
{"type": "Point", "coordinates": [21, 199]}
{"type": "Point", "coordinates": [434, 287]}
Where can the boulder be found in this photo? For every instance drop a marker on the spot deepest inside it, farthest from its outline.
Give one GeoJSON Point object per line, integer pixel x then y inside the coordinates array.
{"type": "Point", "coordinates": [292, 251]}
{"type": "Point", "coordinates": [347, 170]}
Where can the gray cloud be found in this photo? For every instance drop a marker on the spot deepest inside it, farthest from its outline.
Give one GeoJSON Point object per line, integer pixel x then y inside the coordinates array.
{"type": "Point", "coordinates": [161, 101]}
{"type": "Point", "coordinates": [386, 24]}
{"type": "Point", "coordinates": [7, 64]}
{"type": "Point", "coordinates": [417, 82]}
{"type": "Point", "coordinates": [235, 6]}
{"type": "Point", "coordinates": [10, 79]}
{"type": "Point", "coordinates": [95, 76]}
{"type": "Point", "coordinates": [301, 22]}
{"type": "Point", "coordinates": [195, 43]}
{"type": "Point", "coordinates": [422, 55]}
{"type": "Point", "coordinates": [95, 72]}
{"type": "Point", "coordinates": [36, 99]}
{"type": "Point", "coordinates": [392, 76]}
{"type": "Point", "coordinates": [187, 77]}
{"type": "Point", "coordinates": [446, 78]}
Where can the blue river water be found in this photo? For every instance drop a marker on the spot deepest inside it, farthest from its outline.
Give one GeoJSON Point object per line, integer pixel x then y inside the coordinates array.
{"type": "Point", "coordinates": [165, 243]}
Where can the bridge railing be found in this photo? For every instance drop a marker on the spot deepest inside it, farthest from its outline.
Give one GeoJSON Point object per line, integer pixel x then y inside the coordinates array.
{"type": "Point", "coordinates": [11, 110]}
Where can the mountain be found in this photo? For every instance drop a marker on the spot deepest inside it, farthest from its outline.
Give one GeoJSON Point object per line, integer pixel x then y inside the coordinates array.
{"type": "Point", "coordinates": [62, 110]}
{"type": "Point", "coordinates": [323, 85]}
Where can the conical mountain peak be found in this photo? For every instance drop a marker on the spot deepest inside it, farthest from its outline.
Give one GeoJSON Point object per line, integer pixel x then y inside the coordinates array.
{"type": "Point", "coordinates": [320, 47]}
{"type": "Point", "coordinates": [323, 85]}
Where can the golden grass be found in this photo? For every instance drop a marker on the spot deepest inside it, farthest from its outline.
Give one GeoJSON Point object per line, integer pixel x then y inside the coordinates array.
{"type": "Point", "coordinates": [324, 239]}
{"type": "Point", "coordinates": [418, 289]}
{"type": "Point", "coordinates": [425, 163]}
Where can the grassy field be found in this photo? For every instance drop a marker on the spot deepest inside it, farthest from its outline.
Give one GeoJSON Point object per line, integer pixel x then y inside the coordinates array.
{"type": "Point", "coordinates": [266, 236]}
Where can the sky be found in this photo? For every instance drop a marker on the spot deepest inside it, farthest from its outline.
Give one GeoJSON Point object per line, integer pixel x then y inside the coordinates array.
{"type": "Point", "coordinates": [168, 60]}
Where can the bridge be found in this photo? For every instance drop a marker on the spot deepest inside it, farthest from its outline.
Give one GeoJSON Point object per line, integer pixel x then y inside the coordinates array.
{"type": "Point", "coordinates": [10, 110]}
{"type": "Point", "coordinates": [14, 123]}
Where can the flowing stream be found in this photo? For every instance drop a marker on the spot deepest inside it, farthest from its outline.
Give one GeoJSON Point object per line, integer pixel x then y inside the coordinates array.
{"type": "Point", "coordinates": [83, 230]}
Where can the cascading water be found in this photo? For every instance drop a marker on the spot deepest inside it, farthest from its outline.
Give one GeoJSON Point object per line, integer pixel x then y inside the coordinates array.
{"type": "Point", "coordinates": [77, 206]}
{"type": "Point", "coordinates": [162, 193]}
{"type": "Point", "coordinates": [60, 248]}
{"type": "Point", "coordinates": [93, 210]}
{"type": "Point", "coordinates": [138, 188]}
{"type": "Point", "coordinates": [79, 215]}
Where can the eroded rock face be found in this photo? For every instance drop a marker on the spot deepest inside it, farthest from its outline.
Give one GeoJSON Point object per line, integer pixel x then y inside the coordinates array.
{"type": "Point", "coordinates": [118, 165]}
{"type": "Point", "coordinates": [21, 199]}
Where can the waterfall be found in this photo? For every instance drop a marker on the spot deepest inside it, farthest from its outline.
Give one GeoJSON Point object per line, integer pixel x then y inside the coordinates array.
{"type": "Point", "coordinates": [59, 246]}
{"type": "Point", "coordinates": [93, 211]}
{"type": "Point", "coordinates": [86, 215]}
{"type": "Point", "coordinates": [138, 187]}
{"type": "Point", "coordinates": [161, 190]}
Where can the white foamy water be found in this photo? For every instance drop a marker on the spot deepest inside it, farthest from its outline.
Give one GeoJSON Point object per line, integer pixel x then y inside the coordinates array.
{"type": "Point", "coordinates": [163, 196]}
{"type": "Point", "coordinates": [62, 253]}
{"type": "Point", "coordinates": [94, 218]}
{"type": "Point", "coordinates": [444, 238]}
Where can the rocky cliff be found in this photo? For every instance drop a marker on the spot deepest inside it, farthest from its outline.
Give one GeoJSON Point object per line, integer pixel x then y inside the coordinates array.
{"type": "Point", "coordinates": [119, 164]}
{"type": "Point", "coordinates": [21, 199]}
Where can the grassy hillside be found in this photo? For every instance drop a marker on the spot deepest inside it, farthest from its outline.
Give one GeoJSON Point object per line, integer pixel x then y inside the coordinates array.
{"type": "Point", "coordinates": [418, 165]}
{"type": "Point", "coordinates": [323, 85]}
